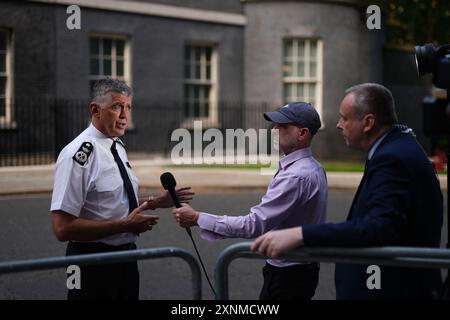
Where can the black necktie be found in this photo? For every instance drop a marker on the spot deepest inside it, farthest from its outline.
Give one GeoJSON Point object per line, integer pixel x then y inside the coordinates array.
{"type": "Point", "coordinates": [132, 202]}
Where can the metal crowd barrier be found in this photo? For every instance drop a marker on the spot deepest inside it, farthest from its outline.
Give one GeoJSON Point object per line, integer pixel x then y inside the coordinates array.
{"type": "Point", "coordinates": [393, 256]}
{"type": "Point", "coordinates": [110, 257]}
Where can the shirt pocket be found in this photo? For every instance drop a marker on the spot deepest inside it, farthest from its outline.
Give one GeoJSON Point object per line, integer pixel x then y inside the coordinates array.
{"type": "Point", "coordinates": [108, 182]}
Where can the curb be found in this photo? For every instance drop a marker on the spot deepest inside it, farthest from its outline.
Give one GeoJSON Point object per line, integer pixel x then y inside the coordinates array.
{"type": "Point", "coordinates": [39, 179]}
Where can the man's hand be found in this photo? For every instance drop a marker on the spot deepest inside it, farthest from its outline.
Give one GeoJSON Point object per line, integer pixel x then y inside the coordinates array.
{"type": "Point", "coordinates": [137, 222]}
{"type": "Point", "coordinates": [164, 200]}
{"type": "Point", "coordinates": [276, 243]}
{"type": "Point", "coordinates": [186, 216]}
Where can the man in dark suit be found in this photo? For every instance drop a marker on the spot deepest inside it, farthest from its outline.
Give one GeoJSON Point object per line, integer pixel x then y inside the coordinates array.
{"type": "Point", "coordinates": [398, 202]}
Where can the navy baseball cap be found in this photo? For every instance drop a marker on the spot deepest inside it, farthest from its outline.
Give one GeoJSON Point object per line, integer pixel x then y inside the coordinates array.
{"type": "Point", "coordinates": [301, 113]}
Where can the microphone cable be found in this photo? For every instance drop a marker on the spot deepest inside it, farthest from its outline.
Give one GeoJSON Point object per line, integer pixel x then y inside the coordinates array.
{"type": "Point", "coordinates": [188, 230]}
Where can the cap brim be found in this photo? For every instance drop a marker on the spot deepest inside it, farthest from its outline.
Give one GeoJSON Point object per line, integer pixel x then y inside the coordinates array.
{"type": "Point", "coordinates": [276, 117]}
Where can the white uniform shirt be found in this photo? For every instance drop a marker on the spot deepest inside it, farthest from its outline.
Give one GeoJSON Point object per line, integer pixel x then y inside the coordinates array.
{"type": "Point", "coordinates": [92, 188]}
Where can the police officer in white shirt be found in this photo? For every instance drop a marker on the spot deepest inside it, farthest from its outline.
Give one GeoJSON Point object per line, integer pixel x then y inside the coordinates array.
{"type": "Point", "coordinates": [95, 204]}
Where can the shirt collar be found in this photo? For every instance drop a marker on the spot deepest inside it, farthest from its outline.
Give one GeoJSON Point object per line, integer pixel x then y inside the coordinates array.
{"type": "Point", "coordinates": [98, 135]}
{"type": "Point", "coordinates": [375, 145]}
{"type": "Point", "coordinates": [294, 156]}
{"type": "Point", "coordinates": [94, 132]}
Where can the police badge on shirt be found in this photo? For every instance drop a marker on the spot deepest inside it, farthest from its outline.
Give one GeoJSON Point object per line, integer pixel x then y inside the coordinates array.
{"type": "Point", "coordinates": [82, 155]}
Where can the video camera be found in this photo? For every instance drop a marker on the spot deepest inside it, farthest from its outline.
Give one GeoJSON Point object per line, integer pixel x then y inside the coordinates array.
{"type": "Point", "coordinates": [437, 111]}
{"type": "Point", "coordinates": [430, 59]}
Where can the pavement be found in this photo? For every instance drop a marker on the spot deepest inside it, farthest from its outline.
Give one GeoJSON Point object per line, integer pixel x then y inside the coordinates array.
{"type": "Point", "coordinates": [39, 179]}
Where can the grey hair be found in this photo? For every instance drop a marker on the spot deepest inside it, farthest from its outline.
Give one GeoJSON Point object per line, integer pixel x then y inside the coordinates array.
{"type": "Point", "coordinates": [104, 86]}
{"type": "Point", "coordinates": [375, 99]}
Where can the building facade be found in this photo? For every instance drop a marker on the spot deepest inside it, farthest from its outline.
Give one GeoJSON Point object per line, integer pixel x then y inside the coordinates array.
{"type": "Point", "coordinates": [220, 61]}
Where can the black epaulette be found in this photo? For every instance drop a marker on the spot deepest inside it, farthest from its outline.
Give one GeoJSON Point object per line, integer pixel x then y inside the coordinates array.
{"type": "Point", "coordinates": [82, 155]}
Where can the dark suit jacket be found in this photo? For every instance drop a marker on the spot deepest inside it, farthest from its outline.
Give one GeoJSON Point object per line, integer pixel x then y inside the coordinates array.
{"type": "Point", "coordinates": [398, 203]}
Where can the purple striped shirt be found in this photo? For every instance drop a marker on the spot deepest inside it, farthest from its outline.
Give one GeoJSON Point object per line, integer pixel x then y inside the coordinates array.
{"type": "Point", "coordinates": [297, 195]}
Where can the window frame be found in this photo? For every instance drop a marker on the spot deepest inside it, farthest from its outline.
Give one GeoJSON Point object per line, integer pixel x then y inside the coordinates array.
{"type": "Point", "coordinates": [307, 78]}
{"type": "Point", "coordinates": [212, 118]}
{"type": "Point", "coordinates": [7, 120]}
{"type": "Point", "coordinates": [126, 57]}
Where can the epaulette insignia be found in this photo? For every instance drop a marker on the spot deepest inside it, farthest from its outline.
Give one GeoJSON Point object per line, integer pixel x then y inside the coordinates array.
{"type": "Point", "coordinates": [82, 155]}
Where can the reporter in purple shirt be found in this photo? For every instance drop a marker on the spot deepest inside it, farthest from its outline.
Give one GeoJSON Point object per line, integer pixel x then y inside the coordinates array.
{"type": "Point", "coordinates": [296, 195]}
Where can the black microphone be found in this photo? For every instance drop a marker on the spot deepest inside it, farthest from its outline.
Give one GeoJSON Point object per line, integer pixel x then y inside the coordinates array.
{"type": "Point", "coordinates": [168, 182]}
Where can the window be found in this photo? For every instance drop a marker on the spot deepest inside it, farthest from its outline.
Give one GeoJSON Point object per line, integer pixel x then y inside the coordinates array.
{"type": "Point", "coordinates": [302, 71]}
{"type": "Point", "coordinates": [5, 77]}
{"type": "Point", "coordinates": [200, 82]}
{"type": "Point", "coordinates": [109, 57]}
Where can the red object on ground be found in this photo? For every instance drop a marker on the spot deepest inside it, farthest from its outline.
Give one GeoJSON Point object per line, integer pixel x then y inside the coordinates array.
{"type": "Point", "coordinates": [439, 160]}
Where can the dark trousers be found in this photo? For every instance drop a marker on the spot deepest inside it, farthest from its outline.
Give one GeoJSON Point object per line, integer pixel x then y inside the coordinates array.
{"type": "Point", "coordinates": [116, 281]}
{"type": "Point", "coordinates": [297, 282]}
